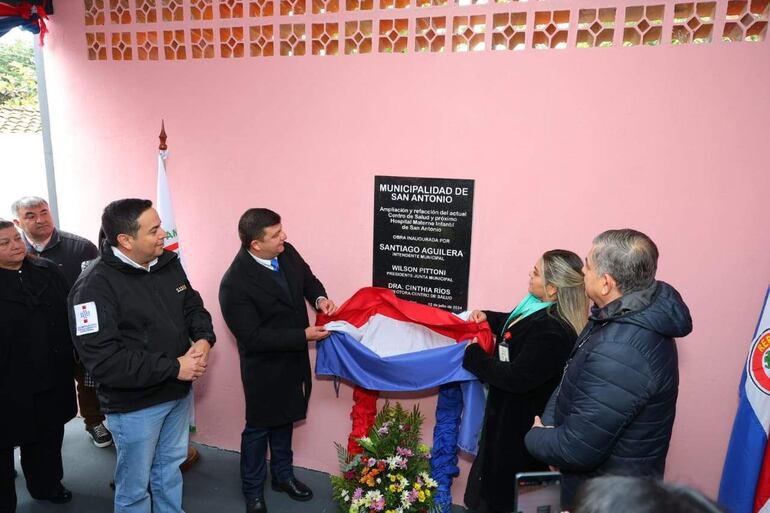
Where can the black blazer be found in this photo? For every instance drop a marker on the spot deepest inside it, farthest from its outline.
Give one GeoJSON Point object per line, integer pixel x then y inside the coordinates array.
{"type": "Point", "coordinates": [518, 390]}
{"type": "Point", "coordinates": [269, 326]}
{"type": "Point", "coordinates": [36, 359]}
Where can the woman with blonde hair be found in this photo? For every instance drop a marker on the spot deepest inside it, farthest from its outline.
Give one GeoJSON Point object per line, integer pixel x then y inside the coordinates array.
{"type": "Point", "coordinates": [533, 344]}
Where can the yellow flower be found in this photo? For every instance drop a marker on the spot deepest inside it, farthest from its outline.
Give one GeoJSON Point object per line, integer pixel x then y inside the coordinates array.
{"type": "Point", "coordinates": [427, 493]}
{"type": "Point", "coordinates": [421, 496]}
{"type": "Point", "coordinates": [417, 486]}
{"type": "Point", "coordinates": [392, 478]}
{"type": "Point", "coordinates": [392, 488]}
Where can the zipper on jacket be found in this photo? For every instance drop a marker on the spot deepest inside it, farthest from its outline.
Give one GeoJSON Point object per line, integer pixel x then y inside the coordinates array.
{"type": "Point", "coordinates": [585, 337]}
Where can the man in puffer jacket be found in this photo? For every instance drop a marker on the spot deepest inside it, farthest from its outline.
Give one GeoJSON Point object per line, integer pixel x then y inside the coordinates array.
{"type": "Point", "coordinates": [614, 409]}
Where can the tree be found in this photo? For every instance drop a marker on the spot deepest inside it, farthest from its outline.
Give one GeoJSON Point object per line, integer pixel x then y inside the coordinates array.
{"type": "Point", "coordinates": [18, 81]}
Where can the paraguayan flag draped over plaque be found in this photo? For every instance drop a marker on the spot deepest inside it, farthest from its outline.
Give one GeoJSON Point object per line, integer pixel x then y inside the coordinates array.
{"type": "Point", "coordinates": [380, 342]}
{"type": "Point", "coordinates": [745, 484]}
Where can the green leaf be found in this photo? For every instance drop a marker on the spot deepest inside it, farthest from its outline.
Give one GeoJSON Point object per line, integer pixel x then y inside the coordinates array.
{"type": "Point", "coordinates": [18, 80]}
{"type": "Point", "coordinates": [342, 455]}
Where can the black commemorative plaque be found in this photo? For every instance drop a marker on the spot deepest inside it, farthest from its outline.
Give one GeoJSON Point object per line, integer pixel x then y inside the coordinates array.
{"type": "Point", "coordinates": [422, 239]}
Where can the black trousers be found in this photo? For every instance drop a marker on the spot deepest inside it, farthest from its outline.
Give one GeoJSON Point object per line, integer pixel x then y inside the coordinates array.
{"type": "Point", "coordinates": [42, 467]}
{"type": "Point", "coordinates": [254, 442]}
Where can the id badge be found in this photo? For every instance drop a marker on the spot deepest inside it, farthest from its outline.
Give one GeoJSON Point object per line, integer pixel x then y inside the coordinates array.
{"type": "Point", "coordinates": [503, 351]}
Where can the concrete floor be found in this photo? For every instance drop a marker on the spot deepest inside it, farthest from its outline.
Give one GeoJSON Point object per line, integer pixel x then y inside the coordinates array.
{"type": "Point", "coordinates": [211, 486]}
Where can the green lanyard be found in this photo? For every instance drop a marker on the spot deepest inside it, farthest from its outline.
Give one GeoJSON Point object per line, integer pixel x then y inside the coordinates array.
{"type": "Point", "coordinates": [527, 306]}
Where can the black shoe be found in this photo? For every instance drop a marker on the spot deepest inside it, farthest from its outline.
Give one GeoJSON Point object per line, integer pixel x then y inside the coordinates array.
{"type": "Point", "coordinates": [256, 505]}
{"type": "Point", "coordinates": [60, 497]}
{"type": "Point", "coordinates": [295, 488]}
{"type": "Point", "coordinates": [101, 435]}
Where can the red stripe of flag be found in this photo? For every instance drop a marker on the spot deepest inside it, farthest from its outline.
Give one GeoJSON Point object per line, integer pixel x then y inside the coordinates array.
{"type": "Point", "coordinates": [172, 247]}
{"type": "Point", "coordinates": [762, 495]}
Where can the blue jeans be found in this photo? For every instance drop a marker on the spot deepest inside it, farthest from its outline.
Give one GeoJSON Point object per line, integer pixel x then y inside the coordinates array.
{"type": "Point", "coordinates": [254, 443]}
{"type": "Point", "coordinates": [151, 444]}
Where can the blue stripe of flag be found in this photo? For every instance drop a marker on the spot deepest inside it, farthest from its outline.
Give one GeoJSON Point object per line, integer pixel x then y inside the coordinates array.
{"type": "Point", "coordinates": [343, 356]}
{"type": "Point", "coordinates": [746, 450]}
{"type": "Point", "coordinates": [744, 458]}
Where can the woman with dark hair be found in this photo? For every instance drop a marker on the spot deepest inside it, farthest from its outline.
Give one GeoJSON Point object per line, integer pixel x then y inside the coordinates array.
{"type": "Point", "coordinates": [37, 390]}
{"type": "Point", "coordinates": [613, 494]}
{"type": "Point", "coordinates": [533, 344]}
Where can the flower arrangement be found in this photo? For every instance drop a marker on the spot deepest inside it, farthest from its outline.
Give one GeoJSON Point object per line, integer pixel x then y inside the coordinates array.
{"type": "Point", "coordinates": [392, 473]}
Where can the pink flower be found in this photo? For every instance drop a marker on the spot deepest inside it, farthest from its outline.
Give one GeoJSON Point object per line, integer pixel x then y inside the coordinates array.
{"type": "Point", "coordinates": [404, 452]}
{"type": "Point", "coordinates": [372, 462]}
{"type": "Point", "coordinates": [358, 493]}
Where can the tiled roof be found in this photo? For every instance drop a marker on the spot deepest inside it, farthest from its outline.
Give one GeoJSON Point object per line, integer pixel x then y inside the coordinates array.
{"type": "Point", "coordinates": [20, 120]}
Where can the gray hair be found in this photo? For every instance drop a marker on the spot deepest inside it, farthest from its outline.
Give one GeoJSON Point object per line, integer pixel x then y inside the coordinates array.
{"type": "Point", "coordinates": [27, 202]}
{"type": "Point", "coordinates": [627, 255]}
{"type": "Point", "coordinates": [609, 494]}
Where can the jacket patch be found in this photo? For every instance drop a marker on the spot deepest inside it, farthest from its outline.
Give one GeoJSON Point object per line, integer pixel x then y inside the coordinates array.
{"type": "Point", "coordinates": [181, 288]}
{"type": "Point", "coordinates": [86, 319]}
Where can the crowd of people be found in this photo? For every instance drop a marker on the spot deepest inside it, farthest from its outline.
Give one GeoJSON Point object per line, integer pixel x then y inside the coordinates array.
{"type": "Point", "coordinates": [590, 391]}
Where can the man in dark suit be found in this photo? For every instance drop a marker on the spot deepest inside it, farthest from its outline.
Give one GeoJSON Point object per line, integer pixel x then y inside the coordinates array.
{"type": "Point", "coordinates": [262, 296]}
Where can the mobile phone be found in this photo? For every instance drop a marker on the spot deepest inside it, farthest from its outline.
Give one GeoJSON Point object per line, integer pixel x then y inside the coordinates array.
{"type": "Point", "coordinates": [538, 492]}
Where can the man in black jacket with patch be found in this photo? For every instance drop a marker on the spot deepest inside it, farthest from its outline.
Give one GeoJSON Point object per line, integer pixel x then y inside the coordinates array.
{"type": "Point", "coordinates": [614, 410]}
{"type": "Point", "coordinates": [141, 330]}
{"type": "Point", "coordinates": [262, 296]}
{"type": "Point", "coordinates": [32, 216]}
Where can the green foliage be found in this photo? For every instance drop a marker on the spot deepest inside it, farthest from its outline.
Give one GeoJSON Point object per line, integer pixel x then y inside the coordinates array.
{"type": "Point", "coordinates": [392, 474]}
{"type": "Point", "coordinates": [18, 81]}
{"type": "Point", "coordinates": [384, 445]}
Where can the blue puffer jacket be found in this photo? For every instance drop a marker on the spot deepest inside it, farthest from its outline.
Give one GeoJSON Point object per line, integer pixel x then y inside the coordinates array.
{"type": "Point", "coordinates": [614, 410]}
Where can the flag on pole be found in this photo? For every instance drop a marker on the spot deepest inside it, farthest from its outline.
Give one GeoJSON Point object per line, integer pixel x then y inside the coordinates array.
{"type": "Point", "coordinates": [168, 223]}
{"type": "Point", "coordinates": [745, 486]}
{"type": "Point", "coordinates": [165, 209]}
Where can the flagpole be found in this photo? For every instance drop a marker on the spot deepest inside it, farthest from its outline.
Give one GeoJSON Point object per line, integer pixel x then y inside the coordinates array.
{"type": "Point", "coordinates": [163, 203]}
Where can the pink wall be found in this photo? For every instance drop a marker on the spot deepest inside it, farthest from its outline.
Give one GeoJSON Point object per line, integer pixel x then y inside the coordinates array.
{"type": "Point", "coordinates": [562, 145]}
